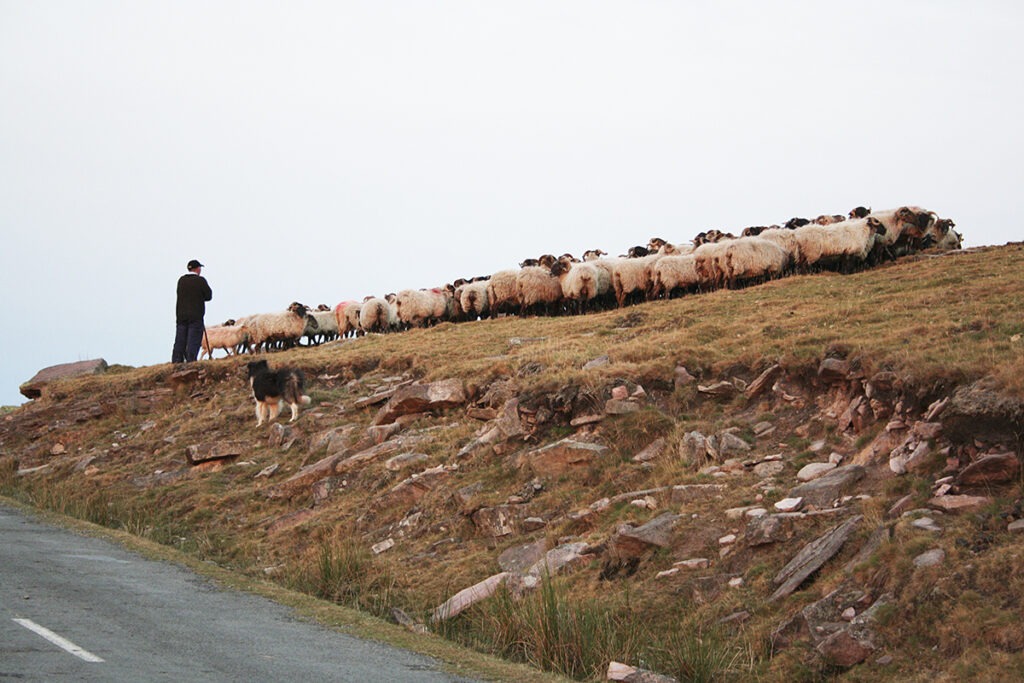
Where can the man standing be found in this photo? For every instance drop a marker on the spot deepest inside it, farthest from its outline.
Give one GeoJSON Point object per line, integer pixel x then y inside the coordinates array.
{"type": "Point", "coordinates": [193, 293]}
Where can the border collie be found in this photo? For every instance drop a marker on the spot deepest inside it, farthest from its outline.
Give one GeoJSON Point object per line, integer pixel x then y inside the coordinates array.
{"type": "Point", "coordinates": [272, 387]}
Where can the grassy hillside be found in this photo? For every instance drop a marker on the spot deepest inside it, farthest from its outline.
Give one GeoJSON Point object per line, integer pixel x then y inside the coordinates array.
{"type": "Point", "coordinates": [113, 449]}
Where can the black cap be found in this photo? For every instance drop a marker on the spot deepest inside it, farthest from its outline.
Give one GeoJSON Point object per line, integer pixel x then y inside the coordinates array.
{"type": "Point", "coordinates": [193, 264]}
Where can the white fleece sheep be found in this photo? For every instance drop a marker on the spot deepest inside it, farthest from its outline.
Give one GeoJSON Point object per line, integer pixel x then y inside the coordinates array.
{"type": "Point", "coordinates": [845, 245]}
{"type": "Point", "coordinates": [227, 337]}
{"type": "Point", "coordinates": [473, 299]}
{"type": "Point", "coordinates": [584, 285]}
{"type": "Point", "coordinates": [326, 326]}
{"type": "Point", "coordinates": [631, 277]}
{"type": "Point", "coordinates": [285, 328]}
{"type": "Point", "coordinates": [538, 291]}
{"type": "Point", "coordinates": [423, 307]}
{"type": "Point", "coordinates": [377, 315]}
{"type": "Point", "coordinates": [672, 274]}
{"type": "Point", "coordinates": [502, 292]}
{"type": "Point", "coordinates": [751, 258]}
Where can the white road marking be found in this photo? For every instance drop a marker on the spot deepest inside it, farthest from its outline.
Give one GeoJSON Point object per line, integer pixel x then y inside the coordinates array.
{"type": "Point", "coordinates": [62, 643]}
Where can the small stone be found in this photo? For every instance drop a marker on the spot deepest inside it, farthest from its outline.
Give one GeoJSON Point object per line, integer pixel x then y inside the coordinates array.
{"type": "Point", "coordinates": [849, 613]}
{"type": "Point", "coordinates": [1016, 526]}
{"type": "Point", "coordinates": [835, 458]}
{"type": "Point", "coordinates": [693, 563]}
{"type": "Point", "coordinates": [789, 504]}
{"type": "Point", "coordinates": [925, 524]}
{"type": "Point", "coordinates": [620, 392]}
{"type": "Point", "coordinates": [815, 470]}
{"type": "Point", "coordinates": [378, 548]}
{"type": "Point", "coordinates": [728, 539]}
{"type": "Point", "coordinates": [58, 449]}
{"type": "Point", "coordinates": [736, 582]}
{"type": "Point", "coordinates": [667, 572]}
{"type": "Point", "coordinates": [930, 558]}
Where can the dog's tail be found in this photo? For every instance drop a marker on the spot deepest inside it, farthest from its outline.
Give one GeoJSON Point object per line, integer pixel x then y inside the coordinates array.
{"type": "Point", "coordinates": [293, 388]}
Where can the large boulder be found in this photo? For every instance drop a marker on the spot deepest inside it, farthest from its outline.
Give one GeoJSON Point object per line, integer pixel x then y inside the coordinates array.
{"type": "Point", "coordinates": [980, 409]}
{"type": "Point", "coordinates": [422, 398]}
{"type": "Point", "coordinates": [34, 387]}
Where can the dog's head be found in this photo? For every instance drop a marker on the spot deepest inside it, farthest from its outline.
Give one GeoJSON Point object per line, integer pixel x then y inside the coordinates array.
{"type": "Point", "coordinates": [256, 367]}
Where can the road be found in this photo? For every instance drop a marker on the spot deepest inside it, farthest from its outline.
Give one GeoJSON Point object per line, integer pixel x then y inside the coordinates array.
{"type": "Point", "coordinates": [77, 608]}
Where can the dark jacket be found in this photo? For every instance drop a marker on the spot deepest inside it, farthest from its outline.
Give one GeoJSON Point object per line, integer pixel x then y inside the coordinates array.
{"type": "Point", "coordinates": [193, 293]}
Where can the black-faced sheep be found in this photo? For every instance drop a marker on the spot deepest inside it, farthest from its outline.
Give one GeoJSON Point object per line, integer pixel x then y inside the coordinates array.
{"type": "Point", "coordinates": [284, 329]}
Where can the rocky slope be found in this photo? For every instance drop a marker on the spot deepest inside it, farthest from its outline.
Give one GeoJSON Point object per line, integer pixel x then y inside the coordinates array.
{"type": "Point", "coordinates": [831, 512]}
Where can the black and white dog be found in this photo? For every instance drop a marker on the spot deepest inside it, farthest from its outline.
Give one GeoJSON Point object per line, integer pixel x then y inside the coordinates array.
{"type": "Point", "coordinates": [272, 387]}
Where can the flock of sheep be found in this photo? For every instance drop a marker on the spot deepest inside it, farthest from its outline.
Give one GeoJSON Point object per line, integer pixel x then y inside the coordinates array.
{"type": "Point", "coordinates": [552, 285]}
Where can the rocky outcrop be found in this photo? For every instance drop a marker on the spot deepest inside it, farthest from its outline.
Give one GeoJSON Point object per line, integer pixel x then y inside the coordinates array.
{"type": "Point", "coordinates": [422, 398]}
{"type": "Point", "coordinates": [34, 387]}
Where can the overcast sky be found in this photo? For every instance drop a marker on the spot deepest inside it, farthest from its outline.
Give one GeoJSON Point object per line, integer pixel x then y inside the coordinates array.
{"type": "Point", "coordinates": [324, 151]}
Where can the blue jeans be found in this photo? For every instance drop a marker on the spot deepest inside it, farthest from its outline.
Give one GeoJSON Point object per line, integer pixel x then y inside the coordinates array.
{"type": "Point", "coordinates": [188, 337]}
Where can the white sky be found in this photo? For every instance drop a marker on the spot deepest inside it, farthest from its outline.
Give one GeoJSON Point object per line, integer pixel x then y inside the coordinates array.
{"type": "Point", "coordinates": [324, 151]}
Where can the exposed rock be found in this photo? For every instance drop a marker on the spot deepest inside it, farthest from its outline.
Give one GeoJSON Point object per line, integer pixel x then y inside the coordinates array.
{"type": "Point", "coordinates": [822, 492]}
{"type": "Point", "coordinates": [268, 471]}
{"type": "Point", "coordinates": [583, 420]}
{"type": "Point", "coordinates": [421, 398]}
{"type": "Point", "coordinates": [565, 457]}
{"type": "Point", "coordinates": [789, 504]}
{"type": "Point", "coordinates": [721, 390]}
{"type": "Point", "coordinates": [681, 377]}
{"type": "Point", "coordinates": [218, 450]}
{"type": "Point", "coordinates": [369, 455]}
{"type": "Point", "coordinates": [693, 563]}
{"type": "Point", "coordinates": [730, 444]}
{"type": "Point", "coordinates": [337, 440]}
{"type": "Point", "coordinates": [279, 435]}
{"type": "Point", "coordinates": [507, 425]}
{"type": "Point", "coordinates": [879, 536]}
{"type": "Point", "coordinates": [381, 433]}
{"type": "Point", "coordinates": [930, 558]}
{"type": "Point", "coordinates": [557, 559]}
{"type": "Point", "coordinates": [614, 406]}
{"type": "Point", "coordinates": [618, 671]}
{"type": "Point", "coordinates": [998, 468]}
{"type": "Point", "coordinates": [497, 521]}
{"type": "Point", "coordinates": [375, 399]}
{"type": "Point", "coordinates": [769, 468]}
{"type": "Point", "coordinates": [812, 557]}
{"type": "Point", "coordinates": [408, 492]}
{"type": "Point", "coordinates": [387, 544]}
{"type": "Point", "coordinates": [598, 362]}
{"type": "Point", "coordinates": [1016, 526]}
{"type": "Point", "coordinates": [403, 460]}
{"type": "Point", "coordinates": [833, 370]}
{"type": "Point", "coordinates": [629, 542]}
{"type": "Point", "coordinates": [652, 451]}
{"type": "Point", "coordinates": [767, 529]}
{"type": "Point", "coordinates": [814, 470]}
{"type": "Point", "coordinates": [620, 392]}
{"type": "Point", "coordinates": [304, 478]}
{"type": "Point", "coordinates": [521, 557]}
{"type": "Point", "coordinates": [468, 596]}
{"type": "Point", "coordinates": [34, 387]}
{"type": "Point", "coordinates": [981, 409]}
{"type": "Point", "coordinates": [693, 448]}
{"type": "Point", "coordinates": [482, 414]}
{"type": "Point", "coordinates": [692, 493]}
{"type": "Point", "coordinates": [763, 382]}
{"type": "Point", "coordinates": [959, 503]}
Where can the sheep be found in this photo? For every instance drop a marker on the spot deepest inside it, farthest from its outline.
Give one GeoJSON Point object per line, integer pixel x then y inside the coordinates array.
{"type": "Point", "coordinates": [538, 291]}
{"type": "Point", "coordinates": [752, 258]}
{"type": "Point", "coordinates": [228, 337]}
{"type": "Point", "coordinates": [424, 307]}
{"type": "Point", "coordinates": [859, 212]}
{"type": "Point", "coordinates": [473, 299]}
{"type": "Point", "coordinates": [326, 326]}
{"type": "Point", "coordinates": [673, 274]}
{"type": "Point", "coordinates": [786, 239]}
{"type": "Point", "coordinates": [845, 245]}
{"type": "Point", "coordinates": [346, 315]}
{"type": "Point", "coordinates": [631, 277]}
{"type": "Point", "coordinates": [377, 315]}
{"type": "Point", "coordinates": [905, 229]}
{"type": "Point", "coordinates": [583, 284]}
{"type": "Point", "coordinates": [285, 328]}
{"type": "Point", "coordinates": [502, 292]}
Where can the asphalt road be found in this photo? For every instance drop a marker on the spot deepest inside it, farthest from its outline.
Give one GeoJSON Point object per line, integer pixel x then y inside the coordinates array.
{"type": "Point", "coordinates": [76, 608]}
